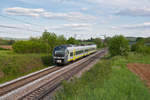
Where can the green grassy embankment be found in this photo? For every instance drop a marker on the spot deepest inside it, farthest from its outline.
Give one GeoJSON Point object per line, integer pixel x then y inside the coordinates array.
{"type": "Point", "coordinates": [109, 79]}
{"type": "Point", "coordinates": [14, 65]}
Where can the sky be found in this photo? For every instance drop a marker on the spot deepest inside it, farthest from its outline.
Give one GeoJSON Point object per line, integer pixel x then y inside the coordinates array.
{"type": "Point", "coordinates": [81, 19]}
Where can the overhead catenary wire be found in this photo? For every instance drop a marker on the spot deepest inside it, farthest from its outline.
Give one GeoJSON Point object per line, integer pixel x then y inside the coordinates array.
{"type": "Point", "coordinates": [19, 28]}
{"type": "Point", "coordinates": [19, 20]}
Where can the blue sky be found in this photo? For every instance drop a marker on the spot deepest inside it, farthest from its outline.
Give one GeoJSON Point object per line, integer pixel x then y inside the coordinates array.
{"type": "Point", "coordinates": [81, 18]}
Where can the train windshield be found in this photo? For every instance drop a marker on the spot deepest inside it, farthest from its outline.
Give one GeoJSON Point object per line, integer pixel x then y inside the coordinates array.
{"type": "Point", "coordinates": [60, 51]}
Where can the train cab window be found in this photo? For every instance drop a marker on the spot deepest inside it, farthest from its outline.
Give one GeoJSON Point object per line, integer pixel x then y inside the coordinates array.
{"type": "Point", "coordinates": [71, 54]}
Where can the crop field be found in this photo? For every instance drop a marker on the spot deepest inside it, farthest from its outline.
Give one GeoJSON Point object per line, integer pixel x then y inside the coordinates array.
{"type": "Point", "coordinates": [110, 79]}
{"type": "Point", "coordinates": [13, 65]}
{"type": "Point", "coordinates": [6, 47]}
{"type": "Point", "coordinates": [142, 70]}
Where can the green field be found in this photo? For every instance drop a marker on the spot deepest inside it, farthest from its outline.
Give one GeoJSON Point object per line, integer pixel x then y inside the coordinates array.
{"type": "Point", "coordinates": [109, 79]}
{"type": "Point", "coordinates": [14, 65]}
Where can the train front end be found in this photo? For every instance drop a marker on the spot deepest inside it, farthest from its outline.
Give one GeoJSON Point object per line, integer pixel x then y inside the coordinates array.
{"type": "Point", "coordinates": [60, 55]}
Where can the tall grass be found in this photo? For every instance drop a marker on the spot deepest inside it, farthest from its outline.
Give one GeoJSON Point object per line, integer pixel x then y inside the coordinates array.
{"type": "Point", "coordinates": [14, 65]}
{"type": "Point", "coordinates": [107, 80]}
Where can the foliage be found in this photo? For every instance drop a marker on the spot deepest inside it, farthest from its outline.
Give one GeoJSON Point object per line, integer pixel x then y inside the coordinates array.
{"type": "Point", "coordinates": [109, 79]}
{"type": "Point", "coordinates": [61, 40]}
{"type": "Point", "coordinates": [72, 40]}
{"type": "Point", "coordinates": [140, 47]}
{"type": "Point", "coordinates": [15, 65]}
{"type": "Point", "coordinates": [50, 40]}
{"type": "Point", "coordinates": [3, 48]}
{"type": "Point", "coordinates": [29, 47]}
{"type": "Point", "coordinates": [44, 44]}
{"type": "Point", "coordinates": [98, 42]}
{"type": "Point", "coordinates": [147, 40]}
{"type": "Point", "coordinates": [118, 45]}
{"type": "Point", "coordinates": [47, 60]}
{"type": "Point", "coordinates": [6, 42]}
{"type": "Point", "coordinates": [106, 41]}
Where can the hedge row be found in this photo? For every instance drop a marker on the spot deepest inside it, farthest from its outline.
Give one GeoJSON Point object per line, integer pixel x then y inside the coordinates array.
{"type": "Point", "coordinates": [139, 48]}
{"type": "Point", "coordinates": [29, 47]}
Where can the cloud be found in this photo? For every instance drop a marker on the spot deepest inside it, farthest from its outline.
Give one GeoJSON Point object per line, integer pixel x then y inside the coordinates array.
{"type": "Point", "coordinates": [24, 11]}
{"type": "Point", "coordinates": [145, 25]}
{"type": "Point", "coordinates": [84, 9]}
{"type": "Point", "coordinates": [40, 12]}
{"type": "Point", "coordinates": [69, 16]}
{"type": "Point", "coordinates": [122, 3]}
{"type": "Point", "coordinates": [134, 12]}
{"type": "Point", "coordinates": [47, 1]}
{"type": "Point", "coordinates": [73, 27]}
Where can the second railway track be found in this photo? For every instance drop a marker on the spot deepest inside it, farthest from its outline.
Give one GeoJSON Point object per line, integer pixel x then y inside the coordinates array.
{"type": "Point", "coordinates": [36, 87]}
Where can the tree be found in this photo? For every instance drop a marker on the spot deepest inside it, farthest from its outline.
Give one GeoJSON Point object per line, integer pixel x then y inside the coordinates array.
{"type": "Point", "coordinates": [61, 40]}
{"type": "Point", "coordinates": [140, 46]}
{"type": "Point", "coordinates": [140, 39]}
{"type": "Point", "coordinates": [106, 41]}
{"type": "Point", "coordinates": [11, 42]}
{"type": "Point", "coordinates": [50, 39]}
{"type": "Point", "coordinates": [98, 42]}
{"type": "Point", "coordinates": [72, 40]}
{"type": "Point", "coordinates": [29, 47]}
{"type": "Point", "coordinates": [118, 45]}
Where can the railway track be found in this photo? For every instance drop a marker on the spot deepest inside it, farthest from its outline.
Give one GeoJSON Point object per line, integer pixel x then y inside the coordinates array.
{"type": "Point", "coordinates": [10, 86]}
{"type": "Point", "coordinates": [39, 84]}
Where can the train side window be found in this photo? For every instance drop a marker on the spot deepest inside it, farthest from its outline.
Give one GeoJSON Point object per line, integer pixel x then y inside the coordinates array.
{"type": "Point", "coordinates": [86, 50]}
{"type": "Point", "coordinates": [77, 52]}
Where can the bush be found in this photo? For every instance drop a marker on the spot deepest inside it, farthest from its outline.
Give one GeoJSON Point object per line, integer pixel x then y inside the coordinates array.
{"type": "Point", "coordinates": [140, 48]}
{"type": "Point", "coordinates": [72, 40]}
{"type": "Point", "coordinates": [118, 45]}
{"type": "Point", "coordinates": [50, 39]}
{"type": "Point", "coordinates": [14, 65]}
{"type": "Point", "coordinates": [29, 47]}
{"type": "Point", "coordinates": [98, 42]}
{"type": "Point", "coordinates": [47, 60]}
{"type": "Point", "coordinates": [3, 48]}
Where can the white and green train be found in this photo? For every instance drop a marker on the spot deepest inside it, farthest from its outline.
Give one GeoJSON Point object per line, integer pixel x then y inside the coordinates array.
{"type": "Point", "coordinates": [65, 54]}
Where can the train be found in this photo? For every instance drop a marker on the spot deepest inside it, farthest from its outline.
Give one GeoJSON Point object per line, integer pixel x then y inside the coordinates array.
{"type": "Point", "coordinates": [64, 54]}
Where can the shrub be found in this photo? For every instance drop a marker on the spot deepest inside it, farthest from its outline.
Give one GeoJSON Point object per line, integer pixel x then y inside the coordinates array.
{"type": "Point", "coordinates": [98, 42]}
{"type": "Point", "coordinates": [29, 47]}
{"type": "Point", "coordinates": [118, 45]}
{"type": "Point", "coordinates": [3, 48]}
{"type": "Point", "coordinates": [72, 40]}
{"type": "Point", "coordinates": [50, 40]}
{"type": "Point", "coordinates": [139, 47]}
{"type": "Point", "coordinates": [47, 60]}
{"type": "Point", "coordinates": [14, 65]}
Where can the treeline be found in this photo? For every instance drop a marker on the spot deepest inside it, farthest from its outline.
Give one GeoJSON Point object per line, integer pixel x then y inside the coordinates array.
{"type": "Point", "coordinates": [47, 42]}
{"type": "Point", "coordinates": [6, 42]}
{"type": "Point", "coordinates": [142, 46]}
{"type": "Point", "coordinates": [119, 45]}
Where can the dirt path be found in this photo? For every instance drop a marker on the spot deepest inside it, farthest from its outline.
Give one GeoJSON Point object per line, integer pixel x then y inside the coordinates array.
{"type": "Point", "coordinates": [142, 70]}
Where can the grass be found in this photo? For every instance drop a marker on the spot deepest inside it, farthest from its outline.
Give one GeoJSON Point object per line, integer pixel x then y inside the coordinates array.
{"type": "Point", "coordinates": [109, 79]}
{"type": "Point", "coordinates": [14, 65]}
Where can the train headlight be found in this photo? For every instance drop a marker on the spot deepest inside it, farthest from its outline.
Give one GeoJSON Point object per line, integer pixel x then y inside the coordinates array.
{"type": "Point", "coordinates": [59, 61]}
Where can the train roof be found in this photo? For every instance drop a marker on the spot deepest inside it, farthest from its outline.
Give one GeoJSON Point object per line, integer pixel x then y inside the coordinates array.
{"type": "Point", "coordinates": [81, 47]}
{"type": "Point", "coordinates": [72, 47]}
